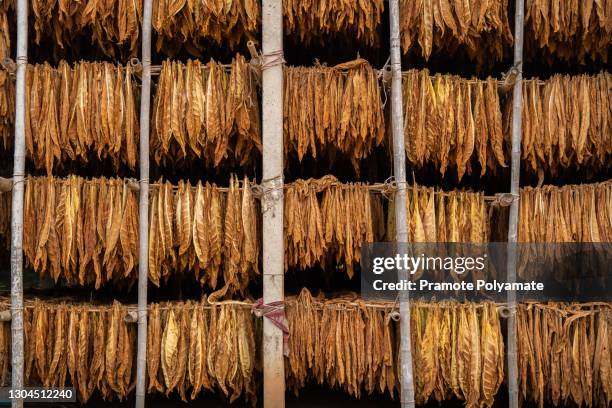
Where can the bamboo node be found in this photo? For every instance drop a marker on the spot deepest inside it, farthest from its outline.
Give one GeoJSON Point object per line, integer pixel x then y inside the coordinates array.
{"type": "Point", "coordinates": [507, 310]}
{"type": "Point", "coordinates": [136, 65]}
{"type": "Point", "coordinates": [255, 55]}
{"type": "Point", "coordinates": [395, 316]}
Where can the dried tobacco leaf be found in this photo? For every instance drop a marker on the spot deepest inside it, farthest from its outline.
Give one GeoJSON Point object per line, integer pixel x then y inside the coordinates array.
{"type": "Point", "coordinates": [206, 112]}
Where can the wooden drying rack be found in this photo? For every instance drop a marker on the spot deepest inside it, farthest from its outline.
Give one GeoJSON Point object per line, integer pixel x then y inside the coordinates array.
{"type": "Point", "coordinates": [274, 390]}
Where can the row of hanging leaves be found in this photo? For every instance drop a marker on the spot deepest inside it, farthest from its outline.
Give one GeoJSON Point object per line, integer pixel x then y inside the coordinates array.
{"type": "Point", "coordinates": [214, 233]}
{"type": "Point", "coordinates": [437, 216]}
{"type": "Point", "coordinates": [78, 113]}
{"type": "Point", "coordinates": [580, 217]}
{"type": "Point", "coordinates": [7, 109]}
{"type": "Point", "coordinates": [193, 24]}
{"type": "Point", "coordinates": [558, 29]}
{"type": "Point", "coordinates": [83, 231]}
{"type": "Point", "coordinates": [112, 26]}
{"type": "Point", "coordinates": [202, 229]}
{"type": "Point", "coordinates": [86, 231]}
{"type": "Point", "coordinates": [480, 27]}
{"type": "Point", "coordinates": [327, 222]}
{"type": "Point", "coordinates": [565, 354]}
{"type": "Point", "coordinates": [452, 121]}
{"type": "Point", "coordinates": [554, 25]}
{"type": "Point", "coordinates": [567, 122]}
{"type": "Point", "coordinates": [316, 20]}
{"type": "Point", "coordinates": [89, 110]}
{"type": "Point", "coordinates": [204, 112]}
{"type": "Point", "coordinates": [330, 110]}
{"type": "Point", "coordinates": [192, 347]}
{"type": "Point", "coordinates": [349, 344]}
{"type": "Point", "coordinates": [572, 213]}
{"type": "Point", "coordinates": [344, 342]}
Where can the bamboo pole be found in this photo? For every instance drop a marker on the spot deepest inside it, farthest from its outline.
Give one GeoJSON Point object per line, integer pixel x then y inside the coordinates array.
{"type": "Point", "coordinates": [515, 172]}
{"type": "Point", "coordinates": [272, 199]}
{"type": "Point", "coordinates": [143, 218]}
{"type": "Point", "coordinates": [399, 170]}
{"type": "Point", "coordinates": [17, 204]}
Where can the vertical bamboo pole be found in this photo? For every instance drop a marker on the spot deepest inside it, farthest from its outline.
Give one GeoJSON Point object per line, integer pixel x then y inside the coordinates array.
{"type": "Point", "coordinates": [399, 170]}
{"type": "Point", "coordinates": [143, 218]}
{"type": "Point", "coordinates": [17, 204]}
{"type": "Point", "coordinates": [515, 172]}
{"type": "Point", "coordinates": [272, 200]}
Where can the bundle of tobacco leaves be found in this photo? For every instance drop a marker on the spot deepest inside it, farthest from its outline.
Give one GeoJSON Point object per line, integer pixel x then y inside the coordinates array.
{"type": "Point", "coordinates": [192, 347]}
{"type": "Point", "coordinates": [327, 222]}
{"type": "Point", "coordinates": [203, 112]}
{"type": "Point", "coordinates": [341, 342]}
{"type": "Point", "coordinates": [564, 354]}
{"type": "Point", "coordinates": [195, 347]}
{"type": "Point", "coordinates": [568, 30]}
{"type": "Point", "coordinates": [479, 27]}
{"type": "Point", "coordinates": [79, 113]}
{"type": "Point", "coordinates": [567, 122]}
{"type": "Point", "coordinates": [353, 345]}
{"type": "Point", "coordinates": [112, 26]}
{"type": "Point", "coordinates": [572, 213]}
{"type": "Point", "coordinates": [442, 216]}
{"type": "Point", "coordinates": [318, 20]}
{"type": "Point", "coordinates": [458, 351]}
{"type": "Point", "coordinates": [206, 231]}
{"type": "Point", "coordinates": [89, 348]}
{"type": "Point", "coordinates": [7, 109]}
{"type": "Point", "coordinates": [83, 231]}
{"type": "Point", "coordinates": [451, 121]}
{"type": "Point", "coordinates": [197, 23]}
{"type": "Point", "coordinates": [333, 109]}
{"type": "Point", "coordinates": [566, 222]}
